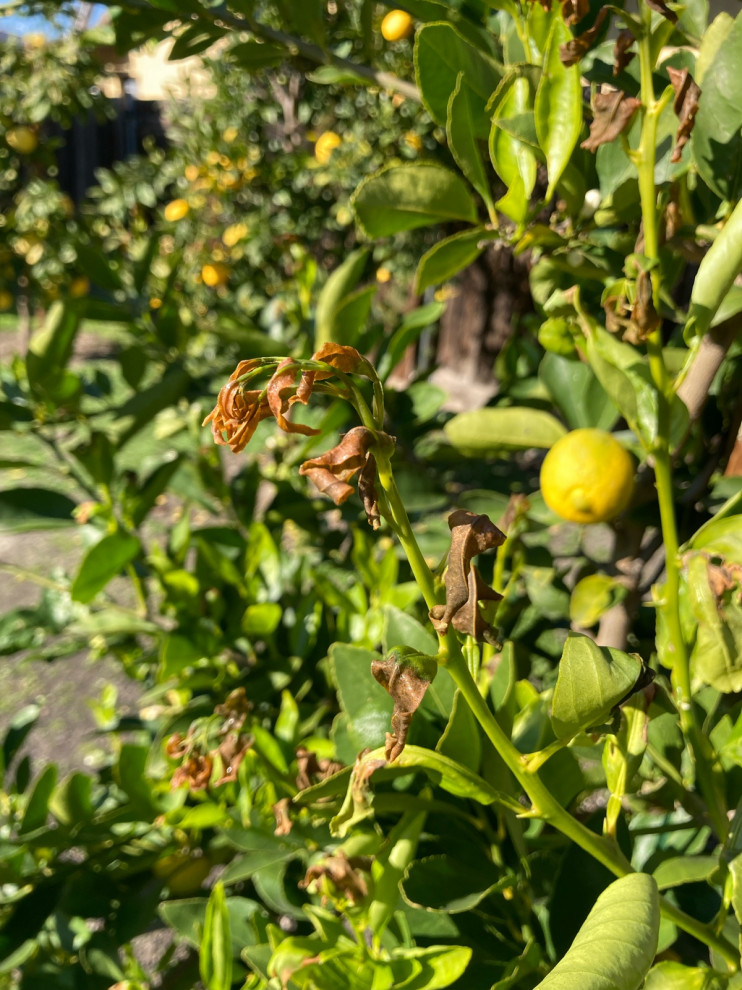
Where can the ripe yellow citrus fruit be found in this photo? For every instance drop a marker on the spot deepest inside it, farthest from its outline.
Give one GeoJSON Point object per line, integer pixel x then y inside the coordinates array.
{"type": "Point", "coordinates": [215, 274]}
{"type": "Point", "coordinates": [6, 299]}
{"type": "Point", "coordinates": [396, 25]}
{"type": "Point", "coordinates": [587, 477]}
{"type": "Point", "coordinates": [22, 139]}
{"type": "Point", "coordinates": [79, 287]}
{"type": "Point", "coordinates": [325, 145]}
{"type": "Point", "coordinates": [176, 210]}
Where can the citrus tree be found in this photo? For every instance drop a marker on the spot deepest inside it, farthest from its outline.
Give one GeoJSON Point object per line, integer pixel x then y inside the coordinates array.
{"type": "Point", "coordinates": [378, 763]}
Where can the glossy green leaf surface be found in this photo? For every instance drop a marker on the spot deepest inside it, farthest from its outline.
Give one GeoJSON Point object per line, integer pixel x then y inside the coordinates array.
{"type": "Point", "coordinates": [103, 562]}
{"type": "Point", "coordinates": [558, 106]}
{"type": "Point", "coordinates": [485, 431]}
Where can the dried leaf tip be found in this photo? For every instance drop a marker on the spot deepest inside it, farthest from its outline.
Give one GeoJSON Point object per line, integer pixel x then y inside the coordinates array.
{"type": "Point", "coordinates": [405, 675]}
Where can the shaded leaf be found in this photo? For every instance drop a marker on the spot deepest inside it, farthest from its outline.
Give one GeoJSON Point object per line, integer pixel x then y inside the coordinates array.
{"type": "Point", "coordinates": [685, 105]}
{"type": "Point", "coordinates": [102, 563]}
{"type": "Point", "coordinates": [405, 675]}
{"type": "Point", "coordinates": [612, 115]}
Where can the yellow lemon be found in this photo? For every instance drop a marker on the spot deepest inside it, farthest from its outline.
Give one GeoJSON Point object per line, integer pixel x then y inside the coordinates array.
{"type": "Point", "coordinates": [192, 172]}
{"type": "Point", "coordinates": [176, 210]}
{"type": "Point", "coordinates": [155, 303]}
{"type": "Point", "coordinates": [215, 275]}
{"type": "Point", "coordinates": [587, 477]}
{"type": "Point", "coordinates": [22, 139]}
{"type": "Point", "coordinates": [383, 275]}
{"type": "Point", "coordinates": [79, 287]}
{"type": "Point", "coordinates": [325, 145]}
{"type": "Point", "coordinates": [6, 299]}
{"type": "Point", "coordinates": [233, 234]}
{"type": "Point", "coordinates": [230, 135]}
{"type": "Point", "coordinates": [397, 25]}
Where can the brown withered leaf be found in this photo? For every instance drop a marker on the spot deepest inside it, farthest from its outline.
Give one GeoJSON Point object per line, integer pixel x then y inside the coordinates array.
{"type": "Point", "coordinates": [723, 578]}
{"type": "Point", "coordinates": [310, 765]}
{"type": "Point", "coordinates": [176, 746]}
{"type": "Point", "coordinates": [612, 114]}
{"type": "Point", "coordinates": [471, 534]}
{"type": "Point", "coordinates": [661, 7]}
{"type": "Point", "coordinates": [281, 389]}
{"type": "Point", "coordinates": [621, 54]}
{"type": "Point", "coordinates": [405, 675]}
{"type": "Point", "coordinates": [574, 10]}
{"type": "Point", "coordinates": [572, 51]}
{"type": "Point", "coordinates": [237, 412]}
{"type": "Point", "coordinates": [644, 317]}
{"type": "Point", "coordinates": [332, 470]}
{"type": "Point", "coordinates": [367, 491]}
{"type": "Point", "coordinates": [342, 357]}
{"type": "Point", "coordinates": [281, 814]}
{"type": "Point", "coordinates": [194, 772]}
{"type": "Point", "coordinates": [234, 710]}
{"type": "Point", "coordinates": [685, 105]}
{"type": "Point", "coordinates": [469, 619]}
{"type": "Point", "coordinates": [343, 872]}
{"type": "Point", "coordinates": [232, 751]}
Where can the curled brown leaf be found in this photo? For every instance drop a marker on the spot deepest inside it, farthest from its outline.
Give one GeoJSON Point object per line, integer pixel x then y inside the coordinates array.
{"type": "Point", "coordinates": [644, 316]}
{"type": "Point", "coordinates": [685, 105]}
{"type": "Point", "coordinates": [281, 395]}
{"type": "Point", "coordinates": [231, 752]}
{"type": "Point", "coordinates": [621, 54]}
{"type": "Point", "coordinates": [574, 10]}
{"type": "Point", "coordinates": [572, 51]}
{"type": "Point", "coordinates": [471, 534]}
{"type": "Point", "coordinates": [612, 114]}
{"type": "Point", "coordinates": [194, 773]}
{"type": "Point", "coordinates": [310, 765]}
{"type": "Point", "coordinates": [343, 873]}
{"type": "Point", "coordinates": [661, 7]}
{"type": "Point", "coordinates": [238, 410]}
{"type": "Point", "coordinates": [405, 675]}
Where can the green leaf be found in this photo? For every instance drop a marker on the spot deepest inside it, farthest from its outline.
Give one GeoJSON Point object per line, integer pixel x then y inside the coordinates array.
{"type": "Point", "coordinates": [261, 620]}
{"type": "Point", "coordinates": [305, 19]}
{"type": "Point", "coordinates": [675, 976]}
{"type": "Point", "coordinates": [716, 274]}
{"type": "Point", "coordinates": [368, 707]}
{"type": "Point", "coordinates": [187, 917]}
{"type": "Point", "coordinates": [483, 432]}
{"type": "Point", "coordinates": [403, 197]}
{"type": "Point", "coordinates": [443, 883]}
{"type": "Point", "coordinates": [23, 509]}
{"type": "Point", "coordinates": [625, 917]}
{"type": "Point", "coordinates": [513, 159]}
{"type": "Point", "coordinates": [51, 346]}
{"type": "Point", "coordinates": [196, 38]}
{"type": "Point", "coordinates": [441, 55]}
{"type": "Point", "coordinates": [449, 256]}
{"type": "Point", "coordinates": [37, 808]}
{"type": "Point", "coordinates": [71, 804]}
{"type": "Point", "coordinates": [558, 106]}
{"type": "Point", "coordinates": [716, 658]}
{"type": "Point", "coordinates": [721, 536]}
{"type": "Point", "coordinates": [215, 956]}
{"type": "Point", "coordinates": [577, 393]}
{"type": "Point", "coordinates": [334, 293]}
{"type": "Point", "coordinates": [592, 680]}
{"type": "Point", "coordinates": [678, 870]}
{"type": "Point", "coordinates": [716, 139]}
{"type": "Point", "coordinates": [591, 597]}
{"type": "Point", "coordinates": [402, 629]}
{"type": "Point", "coordinates": [441, 965]}
{"type": "Point", "coordinates": [462, 140]}
{"type": "Point", "coordinates": [102, 563]}
{"type": "Point", "coordinates": [462, 738]}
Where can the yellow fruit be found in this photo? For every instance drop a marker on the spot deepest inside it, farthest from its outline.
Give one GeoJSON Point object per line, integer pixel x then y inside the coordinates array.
{"type": "Point", "coordinates": [22, 139]}
{"type": "Point", "coordinates": [216, 274]}
{"type": "Point", "coordinates": [233, 234]}
{"type": "Point", "coordinates": [6, 299]}
{"type": "Point", "coordinates": [155, 303]}
{"type": "Point", "coordinates": [587, 477]}
{"type": "Point", "coordinates": [230, 135]}
{"type": "Point", "coordinates": [413, 141]}
{"type": "Point", "coordinates": [176, 210]}
{"type": "Point", "coordinates": [79, 287]}
{"type": "Point", "coordinates": [397, 25]}
{"type": "Point", "coordinates": [192, 172]}
{"type": "Point", "coordinates": [383, 275]}
{"type": "Point", "coordinates": [325, 145]}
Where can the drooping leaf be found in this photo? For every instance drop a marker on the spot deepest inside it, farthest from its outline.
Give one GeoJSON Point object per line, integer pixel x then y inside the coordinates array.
{"type": "Point", "coordinates": [484, 432]}
{"type": "Point", "coordinates": [558, 106]}
{"type": "Point", "coordinates": [215, 955]}
{"type": "Point", "coordinates": [461, 130]}
{"type": "Point", "coordinates": [449, 256]}
{"type": "Point", "coordinates": [612, 115]}
{"type": "Point", "coordinates": [513, 158]}
{"type": "Point", "coordinates": [441, 55]}
{"type": "Point", "coordinates": [23, 509]}
{"type": "Point", "coordinates": [719, 268]}
{"type": "Point", "coordinates": [592, 680]}
{"type": "Point", "coordinates": [626, 916]}
{"type": "Point", "coordinates": [334, 293]}
{"type": "Point", "coordinates": [444, 883]}
{"type": "Point", "coordinates": [103, 562]}
{"type": "Point", "coordinates": [403, 197]}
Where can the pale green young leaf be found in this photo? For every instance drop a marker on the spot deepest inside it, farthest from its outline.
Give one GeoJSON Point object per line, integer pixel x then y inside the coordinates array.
{"type": "Point", "coordinates": [558, 106]}
{"type": "Point", "coordinates": [481, 432]}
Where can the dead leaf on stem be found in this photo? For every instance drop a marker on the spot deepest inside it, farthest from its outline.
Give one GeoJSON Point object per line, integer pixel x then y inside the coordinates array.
{"type": "Point", "coordinates": [405, 675]}
{"type": "Point", "coordinates": [612, 113]}
{"type": "Point", "coordinates": [685, 105]}
{"type": "Point", "coordinates": [471, 534]}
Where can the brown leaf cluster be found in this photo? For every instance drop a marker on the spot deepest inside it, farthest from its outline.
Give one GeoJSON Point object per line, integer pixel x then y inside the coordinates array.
{"type": "Point", "coordinates": [239, 408]}
{"type": "Point", "coordinates": [644, 317]}
{"type": "Point", "coordinates": [621, 54]}
{"type": "Point", "coordinates": [332, 470]}
{"type": "Point", "coordinates": [471, 534]}
{"type": "Point", "coordinates": [685, 105]}
{"type": "Point", "coordinates": [612, 113]}
{"type": "Point", "coordinates": [203, 746]}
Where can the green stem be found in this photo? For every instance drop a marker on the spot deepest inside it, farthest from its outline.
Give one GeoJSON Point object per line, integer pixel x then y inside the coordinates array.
{"type": "Point", "coordinates": [679, 661]}
{"type": "Point", "coordinates": [401, 524]}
